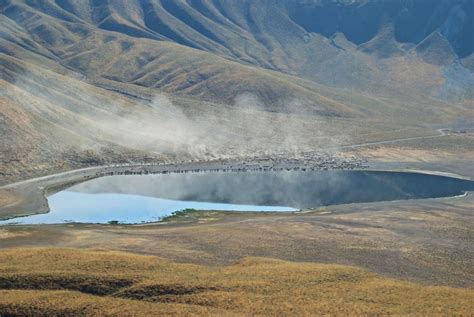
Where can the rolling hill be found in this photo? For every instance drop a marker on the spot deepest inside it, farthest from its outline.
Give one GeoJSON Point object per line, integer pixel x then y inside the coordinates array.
{"type": "Point", "coordinates": [97, 282]}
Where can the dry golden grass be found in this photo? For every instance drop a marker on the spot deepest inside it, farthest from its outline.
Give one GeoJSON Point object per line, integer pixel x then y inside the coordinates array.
{"type": "Point", "coordinates": [90, 282]}
{"type": "Point", "coordinates": [68, 303]}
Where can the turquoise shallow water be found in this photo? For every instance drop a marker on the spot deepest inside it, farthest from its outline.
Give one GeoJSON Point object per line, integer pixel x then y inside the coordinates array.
{"type": "Point", "coordinates": [79, 207]}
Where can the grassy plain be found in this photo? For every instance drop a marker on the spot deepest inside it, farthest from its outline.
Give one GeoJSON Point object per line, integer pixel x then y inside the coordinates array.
{"type": "Point", "coordinates": [78, 282]}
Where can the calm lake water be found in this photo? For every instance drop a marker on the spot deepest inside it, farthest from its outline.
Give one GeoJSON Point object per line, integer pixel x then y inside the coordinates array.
{"type": "Point", "coordinates": [146, 198]}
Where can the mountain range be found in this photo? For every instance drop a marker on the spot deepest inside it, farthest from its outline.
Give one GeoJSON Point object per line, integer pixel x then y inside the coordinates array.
{"type": "Point", "coordinates": [67, 66]}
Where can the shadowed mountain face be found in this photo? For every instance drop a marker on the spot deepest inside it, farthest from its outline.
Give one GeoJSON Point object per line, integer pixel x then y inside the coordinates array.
{"type": "Point", "coordinates": [412, 21]}
{"type": "Point", "coordinates": [209, 24]}
{"type": "Point", "coordinates": [67, 64]}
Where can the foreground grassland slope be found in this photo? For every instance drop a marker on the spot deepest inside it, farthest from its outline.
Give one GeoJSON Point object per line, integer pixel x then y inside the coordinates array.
{"type": "Point", "coordinates": [77, 282]}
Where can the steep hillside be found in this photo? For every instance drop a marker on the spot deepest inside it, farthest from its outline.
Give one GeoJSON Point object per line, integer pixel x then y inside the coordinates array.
{"type": "Point", "coordinates": [348, 44]}
{"type": "Point", "coordinates": [91, 82]}
{"type": "Point", "coordinates": [109, 59]}
{"type": "Point", "coordinates": [338, 43]}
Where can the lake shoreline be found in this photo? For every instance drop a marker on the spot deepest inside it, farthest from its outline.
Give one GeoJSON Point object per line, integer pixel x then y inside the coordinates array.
{"type": "Point", "coordinates": [33, 192]}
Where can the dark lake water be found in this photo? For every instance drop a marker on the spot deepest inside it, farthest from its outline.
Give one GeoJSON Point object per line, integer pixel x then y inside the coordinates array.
{"type": "Point", "coordinates": [137, 198]}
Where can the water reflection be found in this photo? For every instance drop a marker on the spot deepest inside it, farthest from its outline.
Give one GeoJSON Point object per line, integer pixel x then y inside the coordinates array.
{"type": "Point", "coordinates": [135, 199]}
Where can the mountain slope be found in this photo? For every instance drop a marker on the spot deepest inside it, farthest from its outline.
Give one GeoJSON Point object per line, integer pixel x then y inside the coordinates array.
{"type": "Point", "coordinates": [91, 82]}
{"type": "Point", "coordinates": [295, 37]}
{"type": "Point", "coordinates": [328, 42]}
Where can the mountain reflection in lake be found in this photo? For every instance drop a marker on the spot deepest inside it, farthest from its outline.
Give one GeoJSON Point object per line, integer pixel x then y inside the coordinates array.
{"type": "Point", "coordinates": [135, 198]}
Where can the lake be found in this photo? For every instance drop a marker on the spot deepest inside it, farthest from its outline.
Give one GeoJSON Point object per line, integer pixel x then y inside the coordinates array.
{"type": "Point", "coordinates": [147, 198]}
